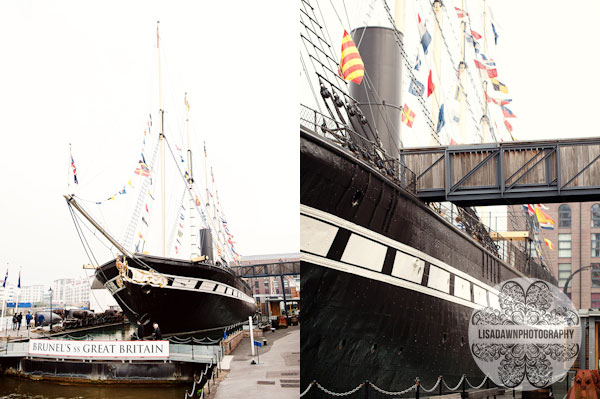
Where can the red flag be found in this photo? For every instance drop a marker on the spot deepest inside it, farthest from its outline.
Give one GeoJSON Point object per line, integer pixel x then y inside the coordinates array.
{"type": "Point", "coordinates": [480, 65]}
{"type": "Point", "coordinates": [430, 85]}
{"type": "Point", "coordinates": [476, 35]}
{"type": "Point", "coordinates": [460, 13]}
{"type": "Point", "coordinates": [508, 126]}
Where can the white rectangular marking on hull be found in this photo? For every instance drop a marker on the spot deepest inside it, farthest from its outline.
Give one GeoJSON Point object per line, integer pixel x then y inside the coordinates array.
{"type": "Point", "coordinates": [315, 236]}
{"type": "Point", "coordinates": [408, 267]}
{"type": "Point", "coordinates": [439, 279]}
{"type": "Point", "coordinates": [363, 252]}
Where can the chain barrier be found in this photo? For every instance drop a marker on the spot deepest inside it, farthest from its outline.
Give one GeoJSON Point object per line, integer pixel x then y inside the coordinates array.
{"type": "Point", "coordinates": [457, 385]}
{"type": "Point", "coordinates": [327, 391]}
{"type": "Point", "coordinates": [375, 387]}
{"type": "Point", "coordinates": [397, 393]}
{"type": "Point", "coordinates": [478, 386]}
{"type": "Point", "coordinates": [434, 387]}
{"type": "Point", "coordinates": [307, 388]}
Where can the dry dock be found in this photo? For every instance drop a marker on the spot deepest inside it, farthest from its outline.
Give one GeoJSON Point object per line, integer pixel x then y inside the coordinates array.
{"type": "Point", "coordinates": [277, 375]}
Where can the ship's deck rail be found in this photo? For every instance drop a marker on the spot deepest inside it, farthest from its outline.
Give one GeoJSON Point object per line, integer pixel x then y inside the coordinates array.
{"type": "Point", "coordinates": [365, 149]}
{"type": "Point", "coordinates": [516, 256]}
{"type": "Point", "coordinates": [178, 353]}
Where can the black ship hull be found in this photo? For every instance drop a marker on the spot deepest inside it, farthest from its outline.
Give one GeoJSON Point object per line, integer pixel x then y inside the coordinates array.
{"type": "Point", "coordinates": [183, 297]}
{"type": "Point", "coordinates": [388, 285]}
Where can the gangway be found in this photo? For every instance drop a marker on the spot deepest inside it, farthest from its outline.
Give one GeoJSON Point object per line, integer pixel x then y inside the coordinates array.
{"type": "Point", "coordinates": [507, 173]}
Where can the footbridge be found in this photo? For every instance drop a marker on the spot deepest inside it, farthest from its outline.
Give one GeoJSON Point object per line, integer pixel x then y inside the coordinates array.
{"type": "Point", "coordinates": [268, 269]}
{"type": "Point", "coordinates": [507, 173]}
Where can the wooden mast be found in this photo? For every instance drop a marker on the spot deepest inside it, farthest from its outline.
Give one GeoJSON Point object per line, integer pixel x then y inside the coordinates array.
{"type": "Point", "coordinates": [162, 149]}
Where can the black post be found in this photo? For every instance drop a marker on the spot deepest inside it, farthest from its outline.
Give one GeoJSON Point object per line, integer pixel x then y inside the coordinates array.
{"type": "Point", "coordinates": [418, 388]}
{"type": "Point", "coordinates": [464, 387]}
{"type": "Point", "coordinates": [568, 381]}
{"type": "Point", "coordinates": [284, 297]}
{"type": "Point", "coordinates": [441, 385]}
{"type": "Point", "coordinates": [50, 310]}
{"type": "Point", "coordinates": [366, 389]}
{"type": "Point", "coordinates": [514, 395]}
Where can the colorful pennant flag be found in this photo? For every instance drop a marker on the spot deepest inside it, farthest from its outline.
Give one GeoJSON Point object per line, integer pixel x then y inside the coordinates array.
{"type": "Point", "coordinates": [198, 199]}
{"type": "Point", "coordinates": [407, 116]}
{"type": "Point", "coordinates": [185, 101]}
{"type": "Point", "coordinates": [425, 36]}
{"type": "Point", "coordinates": [142, 169]}
{"type": "Point", "coordinates": [491, 72]}
{"type": "Point", "coordinates": [19, 283]}
{"type": "Point", "coordinates": [546, 222]}
{"type": "Point", "coordinates": [507, 112]}
{"type": "Point", "coordinates": [441, 120]}
{"type": "Point", "coordinates": [461, 13]}
{"type": "Point", "coordinates": [499, 86]}
{"type": "Point", "coordinates": [548, 243]}
{"type": "Point", "coordinates": [351, 67]}
{"type": "Point", "coordinates": [475, 35]}
{"type": "Point", "coordinates": [430, 85]}
{"type": "Point", "coordinates": [495, 34]}
{"type": "Point", "coordinates": [418, 62]}
{"type": "Point", "coordinates": [416, 88]}
{"type": "Point", "coordinates": [74, 170]}
{"type": "Point", "coordinates": [5, 278]}
{"type": "Point", "coordinates": [508, 126]}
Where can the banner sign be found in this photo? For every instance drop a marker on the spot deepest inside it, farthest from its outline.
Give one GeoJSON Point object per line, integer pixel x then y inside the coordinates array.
{"type": "Point", "coordinates": [103, 349]}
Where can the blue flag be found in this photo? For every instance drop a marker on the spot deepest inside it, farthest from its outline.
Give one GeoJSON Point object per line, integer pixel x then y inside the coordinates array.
{"type": "Point", "coordinates": [5, 278]}
{"type": "Point", "coordinates": [495, 34]}
{"type": "Point", "coordinates": [441, 120]}
{"type": "Point", "coordinates": [19, 283]}
{"type": "Point", "coordinates": [416, 88]}
{"type": "Point", "coordinates": [418, 63]}
{"type": "Point", "coordinates": [425, 36]}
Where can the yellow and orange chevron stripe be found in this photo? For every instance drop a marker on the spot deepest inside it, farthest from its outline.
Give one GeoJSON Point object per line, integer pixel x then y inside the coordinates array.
{"type": "Point", "coordinates": [351, 66]}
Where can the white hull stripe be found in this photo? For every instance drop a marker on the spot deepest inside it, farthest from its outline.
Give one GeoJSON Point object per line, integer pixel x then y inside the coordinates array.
{"type": "Point", "coordinates": [188, 284]}
{"type": "Point", "coordinates": [365, 253]}
{"type": "Point", "coordinates": [358, 271]}
{"type": "Point", "coordinates": [342, 223]}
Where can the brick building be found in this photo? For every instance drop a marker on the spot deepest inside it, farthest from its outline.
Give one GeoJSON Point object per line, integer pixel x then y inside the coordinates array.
{"type": "Point", "coordinates": [576, 242]}
{"type": "Point", "coordinates": [272, 288]}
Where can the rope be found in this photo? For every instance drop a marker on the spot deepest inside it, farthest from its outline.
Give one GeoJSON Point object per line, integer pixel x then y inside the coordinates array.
{"type": "Point", "coordinates": [375, 387]}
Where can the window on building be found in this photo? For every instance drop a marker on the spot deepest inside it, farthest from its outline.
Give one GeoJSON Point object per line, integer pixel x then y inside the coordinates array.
{"type": "Point", "coordinates": [564, 271]}
{"type": "Point", "coordinates": [596, 215]}
{"type": "Point", "coordinates": [564, 245]}
{"type": "Point", "coordinates": [276, 284]}
{"type": "Point", "coordinates": [595, 275]}
{"type": "Point", "coordinates": [595, 244]}
{"type": "Point", "coordinates": [564, 216]}
{"type": "Point", "coordinates": [266, 283]}
{"type": "Point", "coordinates": [255, 283]}
{"type": "Point", "coordinates": [595, 301]}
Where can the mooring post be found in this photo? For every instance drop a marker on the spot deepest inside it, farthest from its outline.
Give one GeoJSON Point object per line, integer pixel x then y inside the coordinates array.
{"type": "Point", "coordinates": [417, 383]}
{"type": "Point", "coordinates": [464, 386]}
{"type": "Point", "coordinates": [568, 381]}
{"type": "Point", "coordinates": [514, 394]}
{"type": "Point", "coordinates": [366, 389]}
{"type": "Point", "coordinates": [441, 384]}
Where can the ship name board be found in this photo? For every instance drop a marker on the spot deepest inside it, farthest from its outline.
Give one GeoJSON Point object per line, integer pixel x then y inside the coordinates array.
{"type": "Point", "coordinates": [104, 349]}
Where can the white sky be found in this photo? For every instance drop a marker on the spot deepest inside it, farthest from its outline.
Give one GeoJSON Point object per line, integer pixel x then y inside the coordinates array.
{"type": "Point", "coordinates": [84, 72]}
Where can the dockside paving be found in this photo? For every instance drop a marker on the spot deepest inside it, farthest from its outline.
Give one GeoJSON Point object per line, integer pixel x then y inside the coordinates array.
{"type": "Point", "coordinates": [277, 374]}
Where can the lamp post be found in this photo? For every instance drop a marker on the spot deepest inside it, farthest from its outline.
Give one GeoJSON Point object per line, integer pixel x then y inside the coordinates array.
{"type": "Point", "coordinates": [50, 290]}
{"type": "Point", "coordinates": [571, 277]}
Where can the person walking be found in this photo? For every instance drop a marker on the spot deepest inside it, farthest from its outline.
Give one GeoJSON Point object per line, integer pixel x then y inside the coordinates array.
{"type": "Point", "coordinates": [19, 320]}
{"type": "Point", "coordinates": [14, 320]}
{"type": "Point", "coordinates": [156, 334]}
{"type": "Point", "coordinates": [140, 330]}
{"type": "Point", "coordinates": [28, 318]}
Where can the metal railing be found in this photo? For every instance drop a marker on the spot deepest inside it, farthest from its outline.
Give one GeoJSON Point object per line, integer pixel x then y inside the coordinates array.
{"type": "Point", "coordinates": [365, 149]}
